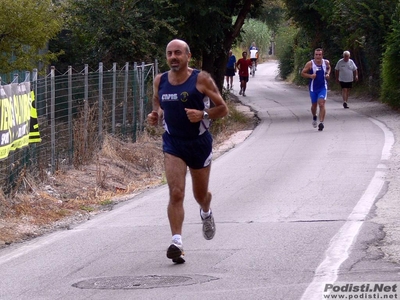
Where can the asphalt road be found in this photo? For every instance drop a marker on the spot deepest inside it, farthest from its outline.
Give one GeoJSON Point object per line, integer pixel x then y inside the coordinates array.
{"type": "Point", "coordinates": [295, 210]}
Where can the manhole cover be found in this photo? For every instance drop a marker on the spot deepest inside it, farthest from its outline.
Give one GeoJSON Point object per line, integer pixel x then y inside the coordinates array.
{"type": "Point", "coordinates": [141, 282]}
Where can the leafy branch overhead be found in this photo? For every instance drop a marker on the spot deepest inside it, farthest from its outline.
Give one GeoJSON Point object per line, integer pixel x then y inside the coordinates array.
{"type": "Point", "coordinates": [26, 26]}
{"type": "Point", "coordinates": [129, 31]}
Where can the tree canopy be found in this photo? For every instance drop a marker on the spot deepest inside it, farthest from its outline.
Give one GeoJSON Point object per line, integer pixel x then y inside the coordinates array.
{"type": "Point", "coordinates": [337, 25]}
{"type": "Point", "coordinates": [209, 29]}
{"type": "Point", "coordinates": [26, 26]}
{"type": "Point", "coordinates": [111, 31]}
{"type": "Point", "coordinates": [123, 31]}
{"type": "Point", "coordinates": [390, 92]}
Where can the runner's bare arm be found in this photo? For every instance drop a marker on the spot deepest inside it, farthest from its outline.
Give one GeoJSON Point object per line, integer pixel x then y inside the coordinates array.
{"type": "Point", "coordinates": [328, 68]}
{"type": "Point", "coordinates": [156, 114]}
{"type": "Point", "coordinates": [305, 72]}
{"type": "Point", "coordinates": [206, 85]}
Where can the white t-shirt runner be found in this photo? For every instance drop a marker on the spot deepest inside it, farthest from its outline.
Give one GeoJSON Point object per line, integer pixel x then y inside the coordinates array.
{"type": "Point", "coordinates": [253, 52]}
{"type": "Point", "coordinates": [346, 70]}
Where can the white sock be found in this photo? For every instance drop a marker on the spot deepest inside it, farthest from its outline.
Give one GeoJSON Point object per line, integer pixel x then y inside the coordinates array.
{"type": "Point", "coordinates": [205, 214]}
{"type": "Point", "coordinates": [177, 239]}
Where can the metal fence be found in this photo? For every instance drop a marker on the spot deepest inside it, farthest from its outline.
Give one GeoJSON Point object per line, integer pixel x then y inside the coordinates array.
{"type": "Point", "coordinates": [75, 110]}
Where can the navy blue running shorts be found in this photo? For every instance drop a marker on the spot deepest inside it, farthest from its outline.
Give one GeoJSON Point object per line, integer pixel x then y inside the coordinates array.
{"type": "Point", "coordinates": [244, 78]}
{"type": "Point", "coordinates": [196, 153]}
{"type": "Point", "coordinates": [230, 72]}
{"type": "Point", "coordinates": [346, 85]}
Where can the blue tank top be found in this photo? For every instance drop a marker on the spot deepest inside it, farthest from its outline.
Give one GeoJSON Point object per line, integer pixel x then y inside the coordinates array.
{"type": "Point", "coordinates": [231, 62]}
{"type": "Point", "coordinates": [318, 83]}
{"type": "Point", "coordinates": [173, 101]}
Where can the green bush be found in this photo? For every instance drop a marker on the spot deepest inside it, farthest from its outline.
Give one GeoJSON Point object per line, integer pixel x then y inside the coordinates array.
{"type": "Point", "coordinates": [258, 32]}
{"type": "Point", "coordinates": [390, 91]}
{"type": "Point", "coordinates": [284, 42]}
{"type": "Point", "coordinates": [301, 57]}
{"type": "Point", "coordinates": [286, 62]}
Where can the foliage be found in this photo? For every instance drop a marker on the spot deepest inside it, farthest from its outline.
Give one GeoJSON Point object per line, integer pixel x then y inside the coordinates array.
{"type": "Point", "coordinates": [25, 28]}
{"type": "Point", "coordinates": [361, 27]}
{"type": "Point", "coordinates": [337, 25]}
{"type": "Point", "coordinates": [315, 31]}
{"type": "Point", "coordinates": [273, 14]}
{"type": "Point", "coordinates": [284, 49]}
{"type": "Point", "coordinates": [258, 32]}
{"type": "Point", "coordinates": [390, 92]}
{"type": "Point", "coordinates": [121, 31]}
{"type": "Point", "coordinates": [207, 27]}
{"type": "Point", "coordinates": [285, 36]}
{"type": "Point", "coordinates": [313, 17]}
{"type": "Point", "coordinates": [115, 31]}
{"type": "Point", "coordinates": [286, 61]}
{"type": "Point", "coordinates": [301, 57]}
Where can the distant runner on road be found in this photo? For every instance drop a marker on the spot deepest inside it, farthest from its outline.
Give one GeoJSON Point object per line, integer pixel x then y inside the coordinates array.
{"type": "Point", "coordinates": [317, 70]}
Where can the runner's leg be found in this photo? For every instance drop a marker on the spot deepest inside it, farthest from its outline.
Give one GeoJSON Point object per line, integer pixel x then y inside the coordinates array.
{"type": "Point", "coordinates": [175, 172]}
{"type": "Point", "coordinates": [200, 180]}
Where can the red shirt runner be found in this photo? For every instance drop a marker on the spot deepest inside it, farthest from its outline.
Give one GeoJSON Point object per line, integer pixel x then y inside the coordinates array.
{"type": "Point", "coordinates": [243, 66]}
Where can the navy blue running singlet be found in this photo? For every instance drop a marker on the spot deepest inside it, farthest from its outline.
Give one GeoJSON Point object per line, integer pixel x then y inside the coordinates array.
{"type": "Point", "coordinates": [174, 99]}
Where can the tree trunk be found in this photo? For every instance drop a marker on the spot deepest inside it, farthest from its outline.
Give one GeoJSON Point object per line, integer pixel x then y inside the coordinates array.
{"type": "Point", "coordinates": [215, 62]}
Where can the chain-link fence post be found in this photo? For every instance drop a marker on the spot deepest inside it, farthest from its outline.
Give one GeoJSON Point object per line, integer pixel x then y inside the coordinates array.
{"type": "Point", "coordinates": [101, 103]}
{"type": "Point", "coordinates": [114, 92]}
{"type": "Point", "coordinates": [52, 119]}
{"type": "Point", "coordinates": [86, 107]}
{"type": "Point", "coordinates": [70, 124]}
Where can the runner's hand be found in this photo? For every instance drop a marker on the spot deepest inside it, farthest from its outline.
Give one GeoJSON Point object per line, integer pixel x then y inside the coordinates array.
{"type": "Point", "coordinates": [152, 118]}
{"type": "Point", "coordinates": [194, 115]}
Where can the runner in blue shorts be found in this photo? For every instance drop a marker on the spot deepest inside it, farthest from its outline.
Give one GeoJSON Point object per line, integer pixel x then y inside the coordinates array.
{"type": "Point", "coordinates": [182, 99]}
{"type": "Point", "coordinates": [196, 153]}
{"type": "Point", "coordinates": [317, 70]}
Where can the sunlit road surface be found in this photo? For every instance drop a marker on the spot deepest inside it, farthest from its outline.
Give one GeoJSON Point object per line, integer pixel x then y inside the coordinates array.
{"type": "Point", "coordinates": [291, 205]}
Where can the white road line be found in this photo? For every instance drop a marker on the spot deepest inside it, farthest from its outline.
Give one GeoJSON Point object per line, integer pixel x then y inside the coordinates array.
{"type": "Point", "coordinates": [338, 250]}
{"type": "Point", "coordinates": [389, 139]}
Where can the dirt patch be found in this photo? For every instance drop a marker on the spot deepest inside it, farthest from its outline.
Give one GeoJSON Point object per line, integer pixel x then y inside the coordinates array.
{"type": "Point", "coordinates": [120, 169]}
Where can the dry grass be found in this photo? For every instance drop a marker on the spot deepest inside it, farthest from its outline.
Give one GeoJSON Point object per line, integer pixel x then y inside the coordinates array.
{"type": "Point", "coordinates": [70, 196]}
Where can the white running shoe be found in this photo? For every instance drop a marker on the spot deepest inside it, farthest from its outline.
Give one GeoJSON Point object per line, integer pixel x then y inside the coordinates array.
{"type": "Point", "coordinates": [314, 123]}
{"type": "Point", "coordinates": [208, 226]}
